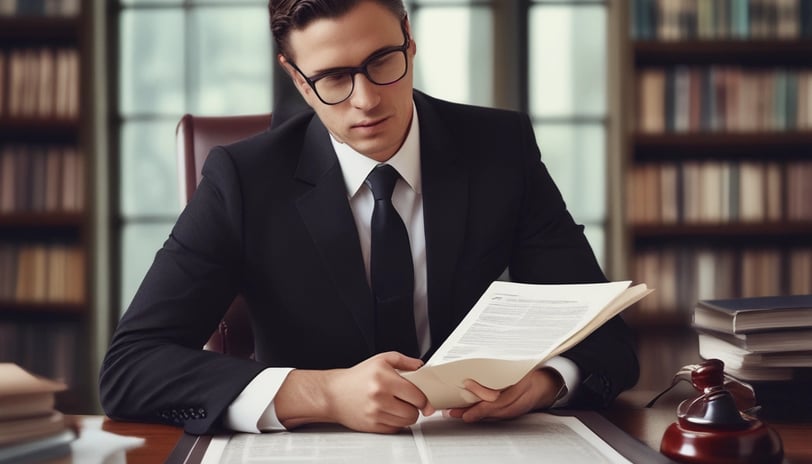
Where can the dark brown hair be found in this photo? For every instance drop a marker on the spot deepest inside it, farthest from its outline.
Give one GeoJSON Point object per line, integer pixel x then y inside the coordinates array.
{"type": "Point", "coordinates": [288, 15]}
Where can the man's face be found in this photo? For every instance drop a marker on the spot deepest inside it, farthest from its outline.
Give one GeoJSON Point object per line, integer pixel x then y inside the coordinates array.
{"type": "Point", "coordinates": [374, 120]}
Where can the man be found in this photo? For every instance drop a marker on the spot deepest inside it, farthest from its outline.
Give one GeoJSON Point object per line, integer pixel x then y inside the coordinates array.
{"type": "Point", "coordinates": [287, 219]}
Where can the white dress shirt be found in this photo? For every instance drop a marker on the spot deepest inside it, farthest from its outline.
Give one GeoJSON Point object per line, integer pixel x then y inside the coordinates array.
{"type": "Point", "coordinates": [253, 410]}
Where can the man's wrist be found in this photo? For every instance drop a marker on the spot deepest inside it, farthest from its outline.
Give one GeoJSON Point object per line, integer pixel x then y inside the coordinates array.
{"type": "Point", "coordinates": [559, 385]}
{"type": "Point", "coordinates": [253, 410]}
{"type": "Point", "coordinates": [303, 398]}
{"type": "Point", "coordinates": [569, 371]}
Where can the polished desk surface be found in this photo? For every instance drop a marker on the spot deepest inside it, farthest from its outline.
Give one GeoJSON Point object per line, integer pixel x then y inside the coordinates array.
{"type": "Point", "coordinates": [647, 425]}
{"type": "Point", "coordinates": [159, 440]}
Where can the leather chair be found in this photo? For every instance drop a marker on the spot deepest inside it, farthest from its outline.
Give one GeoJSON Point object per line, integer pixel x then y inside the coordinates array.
{"type": "Point", "coordinates": [195, 136]}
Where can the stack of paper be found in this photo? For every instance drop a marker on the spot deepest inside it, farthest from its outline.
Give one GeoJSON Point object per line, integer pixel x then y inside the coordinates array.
{"type": "Point", "coordinates": [31, 430]}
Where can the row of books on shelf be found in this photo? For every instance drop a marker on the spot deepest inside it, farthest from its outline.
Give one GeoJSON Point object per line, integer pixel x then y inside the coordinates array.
{"type": "Point", "coordinates": [716, 192]}
{"type": "Point", "coordinates": [31, 429]}
{"type": "Point", "coordinates": [41, 178]}
{"type": "Point", "coordinates": [720, 19]}
{"type": "Point", "coordinates": [684, 275]}
{"type": "Point", "coordinates": [42, 273]}
{"type": "Point", "coordinates": [47, 348]}
{"type": "Point", "coordinates": [39, 83]}
{"type": "Point", "coordinates": [67, 8]}
{"type": "Point", "coordinates": [723, 98]}
{"type": "Point", "coordinates": [765, 341]}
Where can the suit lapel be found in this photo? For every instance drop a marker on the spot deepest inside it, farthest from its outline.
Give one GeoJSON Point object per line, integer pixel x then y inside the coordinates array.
{"type": "Point", "coordinates": [326, 214]}
{"type": "Point", "coordinates": [445, 208]}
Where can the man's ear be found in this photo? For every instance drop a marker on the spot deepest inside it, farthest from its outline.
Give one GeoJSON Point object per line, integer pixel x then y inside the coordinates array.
{"type": "Point", "coordinates": [412, 43]}
{"type": "Point", "coordinates": [298, 81]}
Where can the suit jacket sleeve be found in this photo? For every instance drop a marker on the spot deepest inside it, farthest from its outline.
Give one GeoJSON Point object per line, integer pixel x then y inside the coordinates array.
{"type": "Point", "coordinates": [155, 370]}
{"type": "Point", "coordinates": [552, 248]}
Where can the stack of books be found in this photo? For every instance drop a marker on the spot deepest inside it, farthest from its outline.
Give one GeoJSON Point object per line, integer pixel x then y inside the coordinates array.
{"type": "Point", "coordinates": [31, 430]}
{"type": "Point", "coordinates": [765, 342]}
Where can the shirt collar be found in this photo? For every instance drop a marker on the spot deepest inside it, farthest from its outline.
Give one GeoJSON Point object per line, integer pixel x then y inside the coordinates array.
{"type": "Point", "coordinates": [356, 167]}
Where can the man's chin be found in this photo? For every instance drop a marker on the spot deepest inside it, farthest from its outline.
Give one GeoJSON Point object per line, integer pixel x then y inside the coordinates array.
{"type": "Point", "coordinates": [373, 151]}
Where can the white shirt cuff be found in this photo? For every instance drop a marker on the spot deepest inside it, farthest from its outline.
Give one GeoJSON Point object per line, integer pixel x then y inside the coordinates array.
{"type": "Point", "coordinates": [571, 375]}
{"type": "Point", "coordinates": [253, 410]}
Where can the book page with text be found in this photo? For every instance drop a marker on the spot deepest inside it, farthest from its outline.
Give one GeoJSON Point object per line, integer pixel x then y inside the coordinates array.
{"type": "Point", "coordinates": [432, 440]}
{"type": "Point", "coordinates": [514, 328]}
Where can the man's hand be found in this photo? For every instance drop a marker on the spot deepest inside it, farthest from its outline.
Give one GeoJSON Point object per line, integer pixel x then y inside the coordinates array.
{"type": "Point", "coordinates": [537, 390]}
{"type": "Point", "coordinates": [369, 397]}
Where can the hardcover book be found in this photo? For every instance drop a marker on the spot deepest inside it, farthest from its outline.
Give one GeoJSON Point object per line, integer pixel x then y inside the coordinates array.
{"type": "Point", "coordinates": [743, 315]}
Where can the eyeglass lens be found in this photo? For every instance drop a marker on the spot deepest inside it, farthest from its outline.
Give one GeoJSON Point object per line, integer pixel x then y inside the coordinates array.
{"type": "Point", "coordinates": [381, 70]}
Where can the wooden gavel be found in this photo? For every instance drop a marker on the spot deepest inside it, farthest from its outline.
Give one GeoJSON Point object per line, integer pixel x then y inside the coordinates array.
{"type": "Point", "coordinates": [712, 428]}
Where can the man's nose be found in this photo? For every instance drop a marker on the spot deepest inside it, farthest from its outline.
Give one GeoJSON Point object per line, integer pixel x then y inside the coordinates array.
{"type": "Point", "coordinates": [365, 94]}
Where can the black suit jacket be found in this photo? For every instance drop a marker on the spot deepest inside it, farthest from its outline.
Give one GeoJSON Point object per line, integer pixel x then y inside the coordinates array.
{"type": "Point", "coordinates": [271, 220]}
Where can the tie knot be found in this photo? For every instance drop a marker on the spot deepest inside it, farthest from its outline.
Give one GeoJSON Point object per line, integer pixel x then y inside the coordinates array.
{"type": "Point", "coordinates": [382, 181]}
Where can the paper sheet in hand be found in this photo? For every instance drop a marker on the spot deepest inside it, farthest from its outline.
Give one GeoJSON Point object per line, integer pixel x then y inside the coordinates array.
{"type": "Point", "coordinates": [514, 328]}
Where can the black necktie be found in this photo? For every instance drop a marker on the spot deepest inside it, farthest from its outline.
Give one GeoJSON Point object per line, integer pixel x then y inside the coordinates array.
{"type": "Point", "coordinates": [391, 270]}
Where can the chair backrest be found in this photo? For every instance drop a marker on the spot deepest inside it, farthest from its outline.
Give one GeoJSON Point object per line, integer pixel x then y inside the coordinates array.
{"type": "Point", "coordinates": [195, 136]}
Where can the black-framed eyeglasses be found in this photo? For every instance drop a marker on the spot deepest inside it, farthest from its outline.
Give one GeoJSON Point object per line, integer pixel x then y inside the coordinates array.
{"type": "Point", "coordinates": [384, 67]}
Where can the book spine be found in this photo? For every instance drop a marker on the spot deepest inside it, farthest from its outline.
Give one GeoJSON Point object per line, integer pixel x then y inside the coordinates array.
{"type": "Point", "coordinates": [717, 273]}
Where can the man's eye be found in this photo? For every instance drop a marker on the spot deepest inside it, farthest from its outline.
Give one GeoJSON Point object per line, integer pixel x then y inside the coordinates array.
{"type": "Point", "coordinates": [381, 61]}
{"type": "Point", "coordinates": [333, 79]}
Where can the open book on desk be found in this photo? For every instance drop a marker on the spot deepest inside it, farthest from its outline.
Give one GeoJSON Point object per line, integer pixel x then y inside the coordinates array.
{"type": "Point", "coordinates": [515, 328]}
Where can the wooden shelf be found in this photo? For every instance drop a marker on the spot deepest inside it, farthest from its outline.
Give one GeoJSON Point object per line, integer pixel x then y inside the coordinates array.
{"type": "Point", "coordinates": [728, 91]}
{"type": "Point", "coordinates": [783, 145]}
{"type": "Point", "coordinates": [730, 258]}
{"type": "Point", "coordinates": [37, 220]}
{"type": "Point", "coordinates": [37, 29]}
{"type": "Point", "coordinates": [35, 310]}
{"type": "Point", "coordinates": [760, 53]}
{"type": "Point", "coordinates": [39, 248]}
{"type": "Point", "coordinates": [761, 231]}
{"type": "Point", "coordinates": [36, 130]}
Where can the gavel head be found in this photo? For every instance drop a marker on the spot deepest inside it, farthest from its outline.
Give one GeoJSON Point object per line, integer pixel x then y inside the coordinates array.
{"type": "Point", "coordinates": [708, 375]}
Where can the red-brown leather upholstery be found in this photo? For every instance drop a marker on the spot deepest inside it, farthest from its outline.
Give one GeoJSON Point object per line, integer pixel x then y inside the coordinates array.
{"type": "Point", "coordinates": [195, 136]}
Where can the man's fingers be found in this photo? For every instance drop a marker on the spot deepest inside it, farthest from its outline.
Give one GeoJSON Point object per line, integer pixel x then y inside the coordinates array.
{"type": "Point", "coordinates": [401, 362]}
{"type": "Point", "coordinates": [400, 417]}
{"type": "Point", "coordinates": [400, 388]}
{"type": "Point", "coordinates": [483, 393]}
{"type": "Point", "coordinates": [410, 394]}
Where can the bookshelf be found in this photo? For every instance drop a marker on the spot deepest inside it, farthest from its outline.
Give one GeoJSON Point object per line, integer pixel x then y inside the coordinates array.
{"type": "Point", "coordinates": [717, 152]}
{"type": "Point", "coordinates": [45, 215]}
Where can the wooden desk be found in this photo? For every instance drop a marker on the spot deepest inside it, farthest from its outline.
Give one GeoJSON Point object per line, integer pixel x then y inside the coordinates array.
{"type": "Point", "coordinates": [647, 425]}
{"type": "Point", "coordinates": [160, 439]}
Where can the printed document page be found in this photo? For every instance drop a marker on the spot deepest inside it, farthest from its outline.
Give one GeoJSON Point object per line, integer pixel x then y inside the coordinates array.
{"type": "Point", "coordinates": [519, 321]}
{"type": "Point", "coordinates": [434, 440]}
{"type": "Point", "coordinates": [322, 444]}
{"type": "Point", "coordinates": [512, 329]}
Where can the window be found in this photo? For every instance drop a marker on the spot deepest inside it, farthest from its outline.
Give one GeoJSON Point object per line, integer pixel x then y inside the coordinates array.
{"type": "Point", "coordinates": [567, 75]}
{"type": "Point", "coordinates": [196, 56]}
{"type": "Point", "coordinates": [454, 58]}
